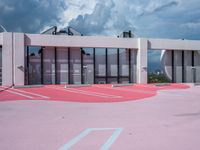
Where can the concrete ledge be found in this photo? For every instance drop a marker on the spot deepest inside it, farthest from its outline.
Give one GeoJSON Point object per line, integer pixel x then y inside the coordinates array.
{"type": "Point", "coordinates": [162, 84]}
{"type": "Point", "coordinates": [119, 85]}
{"type": "Point", "coordinates": [77, 85]}
{"type": "Point", "coordinates": [27, 86]}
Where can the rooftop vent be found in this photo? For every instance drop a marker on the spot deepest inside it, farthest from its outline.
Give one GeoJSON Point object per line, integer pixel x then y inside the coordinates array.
{"type": "Point", "coordinates": [126, 34]}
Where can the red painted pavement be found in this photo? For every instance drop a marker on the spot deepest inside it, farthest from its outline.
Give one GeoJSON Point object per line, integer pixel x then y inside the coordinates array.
{"type": "Point", "coordinates": [96, 93]}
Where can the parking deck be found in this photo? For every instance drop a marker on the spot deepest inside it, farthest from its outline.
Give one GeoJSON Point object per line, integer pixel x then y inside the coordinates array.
{"type": "Point", "coordinates": [100, 117]}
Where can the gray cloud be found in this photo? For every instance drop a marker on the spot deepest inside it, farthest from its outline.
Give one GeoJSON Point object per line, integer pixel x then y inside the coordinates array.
{"type": "Point", "coordinates": [154, 7]}
{"type": "Point", "coordinates": [147, 18]}
{"type": "Point", "coordinates": [94, 22]}
{"type": "Point", "coordinates": [30, 15]}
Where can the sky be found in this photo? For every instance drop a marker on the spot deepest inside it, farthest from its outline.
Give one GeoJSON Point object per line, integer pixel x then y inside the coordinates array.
{"type": "Point", "coordinates": [176, 19]}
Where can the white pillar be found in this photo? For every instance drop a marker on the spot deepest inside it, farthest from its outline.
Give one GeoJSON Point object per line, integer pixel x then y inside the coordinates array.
{"type": "Point", "coordinates": [142, 61]}
{"type": "Point", "coordinates": [19, 57]}
{"type": "Point", "coordinates": [7, 59]}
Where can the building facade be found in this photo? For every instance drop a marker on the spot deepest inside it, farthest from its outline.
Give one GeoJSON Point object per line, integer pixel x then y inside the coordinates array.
{"type": "Point", "coordinates": [30, 59]}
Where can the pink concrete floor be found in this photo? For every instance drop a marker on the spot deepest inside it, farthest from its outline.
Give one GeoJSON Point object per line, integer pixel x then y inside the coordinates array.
{"type": "Point", "coordinates": [169, 120]}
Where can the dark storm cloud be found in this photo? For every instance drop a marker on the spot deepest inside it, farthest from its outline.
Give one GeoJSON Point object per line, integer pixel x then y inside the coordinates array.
{"type": "Point", "coordinates": [94, 22]}
{"type": "Point", "coordinates": [30, 15]}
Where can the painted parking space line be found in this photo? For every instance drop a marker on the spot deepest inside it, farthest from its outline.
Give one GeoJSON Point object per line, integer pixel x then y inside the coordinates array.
{"type": "Point", "coordinates": [87, 93]}
{"type": "Point", "coordinates": [108, 95]}
{"type": "Point", "coordinates": [26, 92]}
{"type": "Point", "coordinates": [126, 89]}
{"type": "Point", "coordinates": [105, 146]}
{"type": "Point", "coordinates": [17, 93]}
{"type": "Point", "coordinates": [31, 93]}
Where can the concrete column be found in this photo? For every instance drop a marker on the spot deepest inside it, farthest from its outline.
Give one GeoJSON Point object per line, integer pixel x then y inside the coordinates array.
{"type": "Point", "coordinates": [7, 59]}
{"type": "Point", "coordinates": [19, 57]}
{"type": "Point", "coordinates": [178, 66]}
{"type": "Point", "coordinates": [142, 61]}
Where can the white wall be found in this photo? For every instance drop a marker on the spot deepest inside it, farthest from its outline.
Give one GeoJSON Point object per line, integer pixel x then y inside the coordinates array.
{"type": "Point", "coordinates": [80, 41]}
{"type": "Point", "coordinates": [14, 44]}
{"type": "Point", "coordinates": [19, 55]}
{"type": "Point", "coordinates": [161, 44]}
{"type": "Point", "coordinates": [142, 61]}
{"type": "Point", "coordinates": [7, 61]}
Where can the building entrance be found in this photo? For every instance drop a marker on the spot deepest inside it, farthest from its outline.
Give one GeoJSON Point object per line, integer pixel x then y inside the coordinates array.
{"type": "Point", "coordinates": [50, 65]}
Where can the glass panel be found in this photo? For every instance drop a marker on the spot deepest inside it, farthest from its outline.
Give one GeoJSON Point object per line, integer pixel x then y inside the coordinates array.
{"type": "Point", "coordinates": [133, 65]}
{"type": "Point", "coordinates": [112, 80]}
{"type": "Point", "coordinates": [123, 62]}
{"type": "Point", "coordinates": [100, 80]}
{"type": "Point", "coordinates": [62, 65]}
{"type": "Point", "coordinates": [100, 65]}
{"type": "Point", "coordinates": [34, 65]}
{"type": "Point", "coordinates": [75, 63]}
{"type": "Point", "coordinates": [88, 66]}
{"type": "Point", "coordinates": [124, 80]}
{"type": "Point", "coordinates": [100, 62]}
{"type": "Point", "coordinates": [197, 66]}
{"type": "Point", "coordinates": [112, 62]}
{"type": "Point", "coordinates": [49, 65]}
{"type": "Point", "coordinates": [112, 66]}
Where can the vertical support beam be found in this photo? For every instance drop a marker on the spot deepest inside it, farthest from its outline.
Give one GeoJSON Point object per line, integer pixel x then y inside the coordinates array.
{"type": "Point", "coordinates": [106, 65]}
{"type": "Point", "coordinates": [142, 61]}
{"type": "Point", "coordinates": [94, 64]}
{"type": "Point", "coordinates": [82, 82]}
{"type": "Point", "coordinates": [192, 58]}
{"type": "Point", "coordinates": [19, 57]}
{"type": "Point", "coordinates": [183, 67]}
{"type": "Point", "coordinates": [173, 68]}
{"type": "Point", "coordinates": [69, 67]}
{"type": "Point", "coordinates": [7, 59]}
{"type": "Point", "coordinates": [118, 73]}
{"type": "Point", "coordinates": [129, 65]}
{"type": "Point", "coordinates": [27, 65]}
{"type": "Point", "coordinates": [42, 65]}
{"type": "Point", "coordinates": [55, 61]}
{"type": "Point", "coordinates": [193, 68]}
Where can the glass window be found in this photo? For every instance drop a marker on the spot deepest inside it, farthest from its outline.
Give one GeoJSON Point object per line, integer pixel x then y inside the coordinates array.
{"type": "Point", "coordinates": [34, 65]}
{"type": "Point", "coordinates": [100, 65]}
{"type": "Point", "coordinates": [112, 66]}
{"type": "Point", "coordinates": [88, 65]}
{"type": "Point", "coordinates": [75, 66]}
{"type": "Point", "coordinates": [62, 65]}
{"type": "Point", "coordinates": [49, 65]}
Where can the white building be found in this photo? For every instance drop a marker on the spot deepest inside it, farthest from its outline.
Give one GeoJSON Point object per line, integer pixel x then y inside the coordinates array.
{"type": "Point", "coordinates": [60, 58]}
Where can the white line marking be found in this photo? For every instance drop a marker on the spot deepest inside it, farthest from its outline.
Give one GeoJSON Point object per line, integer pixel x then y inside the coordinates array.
{"type": "Point", "coordinates": [98, 93]}
{"type": "Point", "coordinates": [112, 139]}
{"type": "Point", "coordinates": [129, 90]}
{"type": "Point", "coordinates": [87, 93]}
{"type": "Point", "coordinates": [22, 91]}
{"type": "Point", "coordinates": [84, 133]}
{"type": "Point", "coordinates": [17, 93]}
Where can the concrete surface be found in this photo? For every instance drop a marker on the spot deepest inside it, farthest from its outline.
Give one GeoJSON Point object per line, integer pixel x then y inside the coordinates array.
{"type": "Point", "coordinates": [168, 121]}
